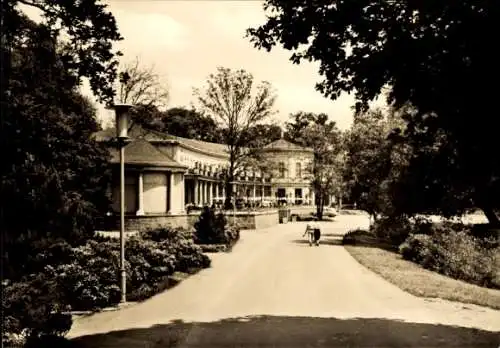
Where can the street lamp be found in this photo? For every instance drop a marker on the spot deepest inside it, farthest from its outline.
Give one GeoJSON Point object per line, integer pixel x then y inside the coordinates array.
{"type": "Point", "coordinates": [122, 118]}
{"type": "Point", "coordinates": [233, 188]}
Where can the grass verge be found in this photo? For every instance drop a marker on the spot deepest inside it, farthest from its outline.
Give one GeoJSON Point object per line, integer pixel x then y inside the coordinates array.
{"type": "Point", "coordinates": [419, 281]}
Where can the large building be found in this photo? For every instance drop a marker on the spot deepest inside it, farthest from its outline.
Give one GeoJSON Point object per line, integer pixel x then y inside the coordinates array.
{"type": "Point", "coordinates": [165, 174]}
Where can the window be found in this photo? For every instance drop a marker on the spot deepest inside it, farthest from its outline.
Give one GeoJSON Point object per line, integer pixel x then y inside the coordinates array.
{"type": "Point", "coordinates": [282, 169]}
{"type": "Point", "coordinates": [298, 170]}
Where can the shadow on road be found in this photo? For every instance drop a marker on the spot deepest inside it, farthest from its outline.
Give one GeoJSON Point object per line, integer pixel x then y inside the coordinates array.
{"type": "Point", "coordinates": [338, 235]}
{"type": "Point", "coordinates": [265, 331]}
{"type": "Point", "coordinates": [323, 241]}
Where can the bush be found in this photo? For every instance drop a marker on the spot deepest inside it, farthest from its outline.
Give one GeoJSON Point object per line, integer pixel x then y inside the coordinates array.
{"type": "Point", "coordinates": [87, 278]}
{"type": "Point", "coordinates": [209, 229]}
{"type": "Point", "coordinates": [213, 248]}
{"type": "Point", "coordinates": [420, 248]}
{"type": "Point", "coordinates": [454, 252]}
{"type": "Point", "coordinates": [356, 236]}
{"type": "Point", "coordinates": [393, 230]}
{"type": "Point", "coordinates": [33, 310]}
{"type": "Point", "coordinates": [214, 229]}
{"type": "Point", "coordinates": [465, 258]}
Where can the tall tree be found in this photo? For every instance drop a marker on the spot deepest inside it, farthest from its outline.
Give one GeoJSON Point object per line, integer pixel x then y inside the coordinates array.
{"type": "Point", "coordinates": [53, 173]}
{"type": "Point", "coordinates": [367, 164]}
{"type": "Point", "coordinates": [434, 55]}
{"type": "Point", "coordinates": [143, 88]}
{"type": "Point", "coordinates": [262, 134]}
{"type": "Point", "coordinates": [189, 123]}
{"type": "Point", "coordinates": [140, 85]}
{"type": "Point", "coordinates": [323, 136]}
{"type": "Point", "coordinates": [86, 32]}
{"type": "Point", "coordinates": [233, 101]}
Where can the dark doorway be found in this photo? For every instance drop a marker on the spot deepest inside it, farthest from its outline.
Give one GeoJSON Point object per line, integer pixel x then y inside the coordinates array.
{"type": "Point", "coordinates": [298, 196]}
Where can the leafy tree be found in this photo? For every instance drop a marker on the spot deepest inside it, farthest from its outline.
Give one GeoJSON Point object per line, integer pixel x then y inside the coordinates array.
{"type": "Point", "coordinates": [230, 100]}
{"type": "Point", "coordinates": [300, 121]}
{"type": "Point", "coordinates": [323, 136]}
{"type": "Point", "coordinates": [54, 175]}
{"type": "Point", "coordinates": [143, 88]}
{"type": "Point", "coordinates": [260, 135]}
{"type": "Point", "coordinates": [432, 55]}
{"type": "Point", "coordinates": [368, 161]}
{"type": "Point", "coordinates": [89, 32]}
{"type": "Point", "coordinates": [189, 123]}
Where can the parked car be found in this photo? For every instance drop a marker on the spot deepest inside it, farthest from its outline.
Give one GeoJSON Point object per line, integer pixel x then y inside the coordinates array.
{"type": "Point", "coordinates": [266, 203]}
{"type": "Point", "coordinates": [329, 212]}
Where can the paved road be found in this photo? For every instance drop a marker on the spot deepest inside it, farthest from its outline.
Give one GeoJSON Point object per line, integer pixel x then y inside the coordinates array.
{"type": "Point", "coordinates": [309, 296]}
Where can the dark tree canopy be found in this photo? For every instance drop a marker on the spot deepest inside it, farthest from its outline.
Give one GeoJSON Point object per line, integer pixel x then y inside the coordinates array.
{"type": "Point", "coordinates": [260, 135]}
{"type": "Point", "coordinates": [436, 56]}
{"type": "Point", "coordinates": [189, 123]}
{"type": "Point", "coordinates": [89, 33]}
{"type": "Point", "coordinates": [54, 175]}
{"type": "Point", "coordinates": [363, 46]}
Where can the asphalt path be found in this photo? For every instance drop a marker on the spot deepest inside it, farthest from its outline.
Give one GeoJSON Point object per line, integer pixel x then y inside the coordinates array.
{"type": "Point", "coordinates": [274, 290]}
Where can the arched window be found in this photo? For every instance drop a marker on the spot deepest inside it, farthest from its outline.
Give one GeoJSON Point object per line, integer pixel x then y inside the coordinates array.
{"type": "Point", "coordinates": [298, 170]}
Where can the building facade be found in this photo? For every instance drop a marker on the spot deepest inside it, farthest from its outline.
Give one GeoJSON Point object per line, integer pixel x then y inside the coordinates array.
{"type": "Point", "coordinates": [165, 174]}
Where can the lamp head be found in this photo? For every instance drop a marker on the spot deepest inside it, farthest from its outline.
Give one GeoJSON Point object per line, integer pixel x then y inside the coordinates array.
{"type": "Point", "coordinates": [122, 117]}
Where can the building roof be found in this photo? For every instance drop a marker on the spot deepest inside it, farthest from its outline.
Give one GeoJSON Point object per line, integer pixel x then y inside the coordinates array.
{"type": "Point", "coordinates": [138, 132]}
{"type": "Point", "coordinates": [204, 146]}
{"type": "Point", "coordinates": [284, 145]}
{"type": "Point", "coordinates": [141, 152]}
{"type": "Point", "coordinates": [135, 132]}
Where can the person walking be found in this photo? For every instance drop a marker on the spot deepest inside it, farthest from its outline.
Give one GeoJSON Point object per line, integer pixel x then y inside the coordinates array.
{"type": "Point", "coordinates": [314, 232]}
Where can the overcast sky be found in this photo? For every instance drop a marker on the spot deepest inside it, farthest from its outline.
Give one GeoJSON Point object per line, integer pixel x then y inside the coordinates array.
{"type": "Point", "coordinates": [186, 40]}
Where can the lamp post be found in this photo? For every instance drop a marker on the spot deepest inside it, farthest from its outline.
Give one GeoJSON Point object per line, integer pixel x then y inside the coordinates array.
{"type": "Point", "coordinates": [122, 123]}
{"type": "Point", "coordinates": [233, 187]}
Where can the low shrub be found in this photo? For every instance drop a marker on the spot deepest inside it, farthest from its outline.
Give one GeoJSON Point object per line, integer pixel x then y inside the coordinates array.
{"type": "Point", "coordinates": [393, 230]}
{"type": "Point", "coordinates": [453, 251]}
{"type": "Point", "coordinates": [210, 228]}
{"type": "Point", "coordinates": [356, 236]}
{"type": "Point", "coordinates": [87, 278]}
{"type": "Point", "coordinates": [33, 310]}
{"type": "Point", "coordinates": [213, 228]}
{"type": "Point", "coordinates": [420, 248]}
{"type": "Point", "coordinates": [213, 248]}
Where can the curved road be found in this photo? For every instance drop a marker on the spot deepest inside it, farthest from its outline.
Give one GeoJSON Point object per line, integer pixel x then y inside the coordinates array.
{"type": "Point", "coordinates": [321, 294]}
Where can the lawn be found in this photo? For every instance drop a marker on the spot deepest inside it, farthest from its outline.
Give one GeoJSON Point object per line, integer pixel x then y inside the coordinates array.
{"type": "Point", "coordinates": [419, 281]}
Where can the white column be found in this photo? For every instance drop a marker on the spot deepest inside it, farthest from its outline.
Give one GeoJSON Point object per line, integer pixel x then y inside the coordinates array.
{"type": "Point", "coordinates": [140, 193]}
{"type": "Point", "coordinates": [224, 192]}
{"type": "Point", "coordinates": [254, 193]}
{"type": "Point", "coordinates": [210, 188]}
{"type": "Point", "coordinates": [171, 194]}
{"type": "Point", "coordinates": [205, 200]}
{"type": "Point", "coordinates": [196, 185]}
{"type": "Point", "coordinates": [182, 189]}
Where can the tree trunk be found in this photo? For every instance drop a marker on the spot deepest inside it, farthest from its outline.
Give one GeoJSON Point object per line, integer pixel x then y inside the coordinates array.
{"type": "Point", "coordinates": [227, 199]}
{"type": "Point", "coordinates": [229, 184]}
{"type": "Point", "coordinates": [491, 216]}
{"type": "Point", "coordinates": [319, 205]}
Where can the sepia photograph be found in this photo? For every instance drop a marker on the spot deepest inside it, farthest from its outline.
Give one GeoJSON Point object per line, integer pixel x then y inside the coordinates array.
{"type": "Point", "coordinates": [249, 173]}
